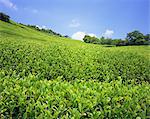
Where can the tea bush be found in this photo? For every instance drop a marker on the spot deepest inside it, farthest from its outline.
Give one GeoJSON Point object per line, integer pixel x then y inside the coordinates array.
{"type": "Point", "coordinates": [50, 59]}
{"type": "Point", "coordinates": [33, 98]}
{"type": "Point", "coordinates": [44, 76]}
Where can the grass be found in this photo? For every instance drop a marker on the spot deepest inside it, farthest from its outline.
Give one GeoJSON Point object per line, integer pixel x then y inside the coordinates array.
{"type": "Point", "coordinates": [45, 76]}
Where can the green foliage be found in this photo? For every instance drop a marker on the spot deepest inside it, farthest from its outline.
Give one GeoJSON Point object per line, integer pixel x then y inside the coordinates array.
{"type": "Point", "coordinates": [24, 51]}
{"type": "Point", "coordinates": [105, 41]}
{"type": "Point", "coordinates": [122, 43]}
{"type": "Point", "coordinates": [4, 17]}
{"type": "Point", "coordinates": [147, 37]}
{"type": "Point", "coordinates": [34, 98]}
{"type": "Point", "coordinates": [89, 39]}
{"type": "Point", "coordinates": [135, 38]}
{"type": "Point", "coordinates": [43, 76]}
{"type": "Point", "coordinates": [50, 59]}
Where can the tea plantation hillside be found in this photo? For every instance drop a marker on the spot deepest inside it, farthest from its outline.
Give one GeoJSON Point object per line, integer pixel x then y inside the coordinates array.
{"type": "Point", "coordinates": [46, 76]}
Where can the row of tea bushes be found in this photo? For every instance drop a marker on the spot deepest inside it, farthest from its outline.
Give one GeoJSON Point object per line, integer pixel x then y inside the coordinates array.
{"type": "Point", "coordinates": [33, 98]}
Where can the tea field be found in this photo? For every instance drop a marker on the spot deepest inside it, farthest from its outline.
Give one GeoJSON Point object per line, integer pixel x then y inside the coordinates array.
{"type": "Point", "coordinates": [45, 76]}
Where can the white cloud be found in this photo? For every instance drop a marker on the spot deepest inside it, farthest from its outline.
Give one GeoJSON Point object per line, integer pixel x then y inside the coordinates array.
{"type": "Point", "coordinates": [74, 23]}
{"type": "Point", "coordinates": [41, 27]}
{"type": "Point", "coordinates": [9, 4]}
{"type": "Point", "coordinates": [108, 33]}
{"type": "Point", "coordinates": [92, 35]}
{"type": "Point", "coordinates": [44, 27]}
{"type": "Point", "coordinates": [80, 35]}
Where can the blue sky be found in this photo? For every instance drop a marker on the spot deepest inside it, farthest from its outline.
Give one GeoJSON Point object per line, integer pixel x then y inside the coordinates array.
{"type": "Point", "coordinates": [109, 18]}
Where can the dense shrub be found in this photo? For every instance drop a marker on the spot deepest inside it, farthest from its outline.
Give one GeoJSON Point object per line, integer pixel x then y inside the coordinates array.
{"type": "Point", "coordinates": [49, 60]}
{"type": "Point", "coordinates": [34, 98]}
{"type": "Point", "coordinates": [133, 38]}
{"type": "Point", "coordinates": [89, 39]}
{"type": "Point", "coordinates": [122, 43]}
{"type": "Point", "coordinates": [4, 17]}
{"type": "Point", "coordinates": [147, 37]}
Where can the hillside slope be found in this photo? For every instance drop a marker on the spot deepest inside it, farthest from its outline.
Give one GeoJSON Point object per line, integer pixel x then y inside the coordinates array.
{"type": "Point", "coordinates": [50, 56]}
{"type": "Point", "coordinates": [48, 76]}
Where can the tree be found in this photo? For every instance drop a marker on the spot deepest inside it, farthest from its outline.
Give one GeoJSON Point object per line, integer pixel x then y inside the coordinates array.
{"type": "Point", "coordinates": [135, 38]}
{"type": "Point", "coordinates": [4, 17]}
{"type": "Point", "coordinates": [122, 43]}
{"type": "Point", "coordinates": [49, 31]}
{"type": "Point", "coordinates": [115, 41]}
{"type": "Point", "coordinates": [107, 41]}
{"type": "Point", "coordinates": [66, 36]}
{"type": "Point", "coordinates": [147, 37]}
{"type": "Point", "coordinates": [86, 39]}
{"type": "Point", "coordinates": [89, 39]}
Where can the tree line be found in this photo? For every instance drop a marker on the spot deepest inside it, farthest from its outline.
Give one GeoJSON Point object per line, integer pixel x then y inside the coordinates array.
{"type": "Point", "coordinates": [4, 17]}
{"type": "Point", "coordinates": [132, 38]}
{"type": "Point", "coordinates": [49, 31]}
